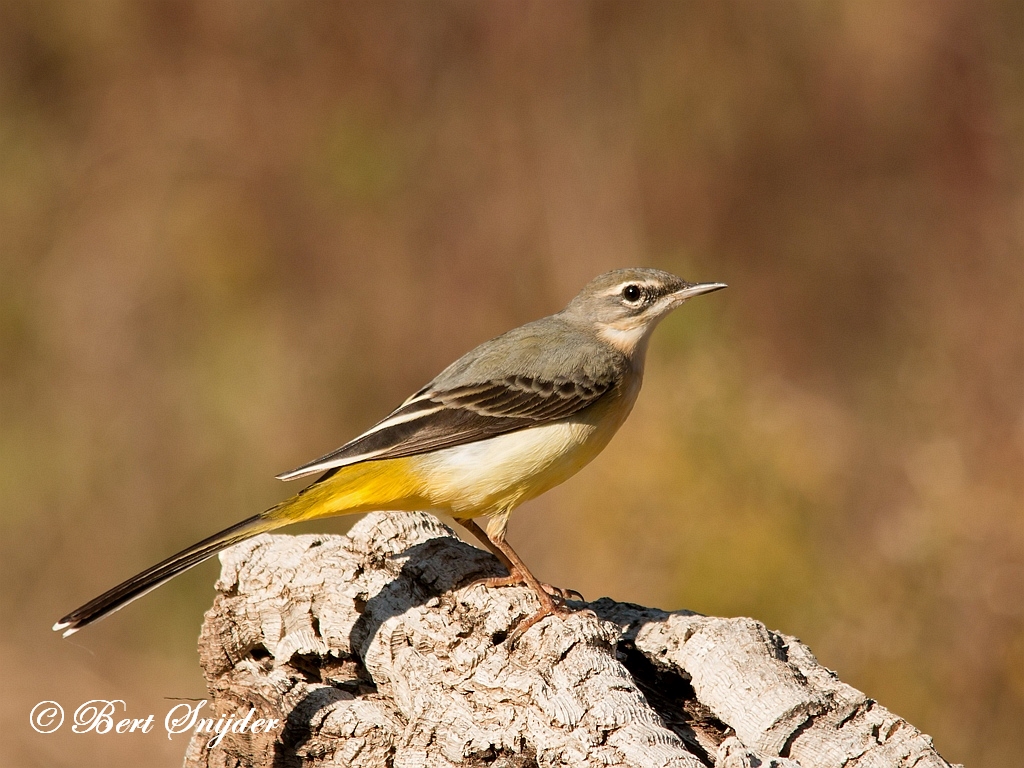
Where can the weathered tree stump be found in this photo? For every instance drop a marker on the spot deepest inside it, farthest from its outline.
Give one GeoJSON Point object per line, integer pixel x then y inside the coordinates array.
{"type": "Point", "coordinates": [375, 649]}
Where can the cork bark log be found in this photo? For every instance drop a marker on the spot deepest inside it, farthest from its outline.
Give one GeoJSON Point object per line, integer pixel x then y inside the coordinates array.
{"type": "Point", "coordinates": [376, 649]}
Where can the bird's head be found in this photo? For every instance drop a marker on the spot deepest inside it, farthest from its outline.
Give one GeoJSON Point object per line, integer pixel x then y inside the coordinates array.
{"type": "Point", "coordinates": [624, 306]}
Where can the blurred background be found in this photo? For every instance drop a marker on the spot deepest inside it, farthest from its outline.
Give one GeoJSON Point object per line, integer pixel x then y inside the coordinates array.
{"type": "Point", "coordinates": [233, 235]}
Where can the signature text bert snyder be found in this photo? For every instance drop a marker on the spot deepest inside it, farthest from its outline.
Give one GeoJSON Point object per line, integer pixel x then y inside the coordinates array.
{"type": "Point", "coordinates": [108, 716]}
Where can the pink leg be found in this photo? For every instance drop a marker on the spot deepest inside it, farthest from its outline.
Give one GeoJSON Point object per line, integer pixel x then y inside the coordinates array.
{"type": "Point", "coordinates": [520, 574]}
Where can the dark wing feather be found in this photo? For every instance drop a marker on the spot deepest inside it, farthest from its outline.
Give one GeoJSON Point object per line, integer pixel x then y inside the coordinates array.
{"type": "Point", "coordinates": [432, 420]}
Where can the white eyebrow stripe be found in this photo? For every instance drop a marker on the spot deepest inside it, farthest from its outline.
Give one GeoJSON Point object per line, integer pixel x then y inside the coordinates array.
{"type": "Point", "coordinates": [639, 283]}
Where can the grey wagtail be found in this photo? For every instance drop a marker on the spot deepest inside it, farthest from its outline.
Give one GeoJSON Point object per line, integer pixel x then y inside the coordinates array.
{"type": "Point", "coordinates": [501, 425]}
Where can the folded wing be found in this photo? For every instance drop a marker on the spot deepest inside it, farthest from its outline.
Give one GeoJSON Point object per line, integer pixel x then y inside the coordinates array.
{"type": "Point", "coordinates": [431, 419]}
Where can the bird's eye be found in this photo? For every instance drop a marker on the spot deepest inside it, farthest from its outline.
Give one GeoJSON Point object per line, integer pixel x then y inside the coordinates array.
{"type": "Point", "coordinates": [632, 293]}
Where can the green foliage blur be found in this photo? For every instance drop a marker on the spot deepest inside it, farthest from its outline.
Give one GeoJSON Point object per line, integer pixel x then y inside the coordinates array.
{"type": "Point", "coordinates": [234, 234]}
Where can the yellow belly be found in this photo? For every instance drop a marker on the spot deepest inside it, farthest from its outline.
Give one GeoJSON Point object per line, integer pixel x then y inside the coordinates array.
{"type": "Point", "coordinates": [480, 477]}
{"type": "Point", "coordinates": [496, 474]}
{"type": "Point", "coordinates": [486, 477]}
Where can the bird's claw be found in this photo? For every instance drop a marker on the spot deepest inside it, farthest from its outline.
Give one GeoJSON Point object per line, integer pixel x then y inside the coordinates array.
{"type": "Point", "coordinates": [562, 593]}
{"type": "Point", "coordinates": [515, 579]}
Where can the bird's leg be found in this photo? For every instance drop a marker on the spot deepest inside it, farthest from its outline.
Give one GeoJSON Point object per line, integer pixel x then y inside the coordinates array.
{"type": "Point", "coordinates": [514, 575]}
{"type": "Point", "coordinates": [516, 569]}
{"type": "Point", "coordinates": [520, 574]}
{"type": "Point", "coordinates": [548, 606]}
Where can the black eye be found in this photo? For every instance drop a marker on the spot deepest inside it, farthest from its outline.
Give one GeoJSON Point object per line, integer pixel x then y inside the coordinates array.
{"type": "Point", "coordinates": [632, 293]}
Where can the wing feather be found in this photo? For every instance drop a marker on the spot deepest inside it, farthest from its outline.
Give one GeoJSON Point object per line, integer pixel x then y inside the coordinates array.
{"type": "Point", "coordinates": [434, 419]}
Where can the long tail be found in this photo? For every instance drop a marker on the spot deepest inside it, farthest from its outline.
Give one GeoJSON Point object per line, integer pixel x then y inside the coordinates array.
{"type": "Point", "coordinates": [357, 488]}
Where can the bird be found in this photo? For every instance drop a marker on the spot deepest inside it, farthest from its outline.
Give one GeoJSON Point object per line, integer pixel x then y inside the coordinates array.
{"type": "Point", "coordinates": [504, 423]}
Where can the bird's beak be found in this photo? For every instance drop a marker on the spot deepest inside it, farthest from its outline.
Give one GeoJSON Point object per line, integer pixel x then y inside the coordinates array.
{"type": "Point", "coordinates": [696, 289]}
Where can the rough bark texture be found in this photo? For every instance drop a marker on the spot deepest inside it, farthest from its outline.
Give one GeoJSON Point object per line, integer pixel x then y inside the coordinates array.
{"type": "Point", "coordinates": [375, 649]}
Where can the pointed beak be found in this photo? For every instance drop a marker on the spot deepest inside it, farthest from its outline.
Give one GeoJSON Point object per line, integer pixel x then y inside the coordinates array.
{"type": "Point", "coordinates": [696, 289]}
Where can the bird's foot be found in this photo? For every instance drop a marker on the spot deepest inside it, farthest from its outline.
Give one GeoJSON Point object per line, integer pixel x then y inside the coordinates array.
{"type": "Point", "coordinates": [517, 579]}
{"type": "Point", "coordinates": [550, 605]}
{"type": "Point", "coordinates": [552, 600]}
{"type": "Point", "coordinates": [562, 593]}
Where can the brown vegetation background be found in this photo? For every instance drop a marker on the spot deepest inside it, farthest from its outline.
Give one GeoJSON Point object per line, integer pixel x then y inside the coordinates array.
{"type": "Point", "coordinates": [232, 235]}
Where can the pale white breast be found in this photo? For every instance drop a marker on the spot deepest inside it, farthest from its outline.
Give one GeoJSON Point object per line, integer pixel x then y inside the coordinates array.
{"type": "Point", "coordinates": [501, 472]}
